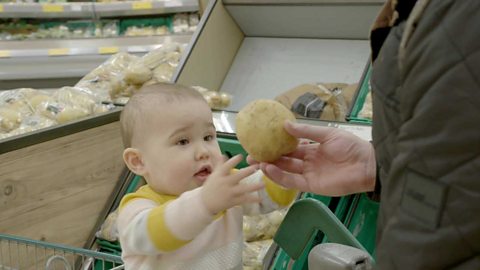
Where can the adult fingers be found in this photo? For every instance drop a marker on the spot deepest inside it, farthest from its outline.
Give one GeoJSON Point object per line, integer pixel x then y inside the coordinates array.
{"type": "Point", "coordinates": [285, 179]}
{"type": "Point", "coordinates": [251, 161]}
{"type": "Point", "coordinates": [288, 164]}
{"type": "Point", "coordinates": [302, 150]}
{"type": "Point", "coordinates": [311, 132]}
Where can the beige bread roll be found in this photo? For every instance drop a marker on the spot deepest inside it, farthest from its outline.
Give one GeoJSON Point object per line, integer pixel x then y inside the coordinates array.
{"type": "Point", "coordinates": [260, 130]}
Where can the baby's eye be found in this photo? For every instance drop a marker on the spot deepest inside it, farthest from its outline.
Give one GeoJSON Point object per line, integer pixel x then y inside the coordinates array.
{"type": "Point", "coordinates": [182, 142]}
{"type": "Point", "coordinates": [208, 138]}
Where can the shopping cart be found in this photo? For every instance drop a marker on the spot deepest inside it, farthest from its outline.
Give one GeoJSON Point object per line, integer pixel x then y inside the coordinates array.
{"type": "Point", "coordinates": [17, 253]}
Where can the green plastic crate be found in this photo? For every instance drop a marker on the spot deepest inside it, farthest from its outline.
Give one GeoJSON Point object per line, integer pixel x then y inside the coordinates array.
{"type": "Point", "coordinates": [231, 147]}
{"type": "Point", "coordinates": [360, 98]}
{"type": "Point", "coordinates": [154, 22]}
{"type": "Point", "coordinates": [362, 221]}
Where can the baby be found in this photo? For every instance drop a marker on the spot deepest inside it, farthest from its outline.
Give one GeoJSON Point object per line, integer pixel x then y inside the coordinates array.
{"type": "Point", "coordinates": [189, 214]}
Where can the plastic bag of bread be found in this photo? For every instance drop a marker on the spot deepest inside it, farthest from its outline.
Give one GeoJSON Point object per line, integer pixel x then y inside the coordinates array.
{"type": "Point", "coordinates": [254, 253]}
{"type": "Point", "coordinates": [325, 101]}
{"type": "Point", "coordinates": [137, 73]}
{"type": "Point", "coordinates": [32, 123]}
{"type": "Point", "coordinates": [14, 107]}
{"type": "Point", "coordinates": [9, 119]}
{"type": "Point", "coordinates": [67, 104]}
{"type": "Point", "coordinates": [108, 230]}
{"type": "Point", "coordinates": [107, 79]}
{"type": "Point", "coordinates": [17, 100]}
{"type": "Point", "coordinates": [169, 52]}
{"type": "Point", "coordinates": [163, 72]}
{"type": "Point", "coordinates": [15, 95]}
{"type": "Point", "coordinates": [216, 100]}
{"type": "Point", "coordinates": [260, 227]}
{"type": "Point", "coordinates": [367, 110]}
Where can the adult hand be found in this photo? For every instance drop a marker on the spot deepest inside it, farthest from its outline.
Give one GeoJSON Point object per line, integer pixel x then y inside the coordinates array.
{"type": "Point", "coordinates": [336, 163]}
{"type": "Point", "coordinates": [223, 189]}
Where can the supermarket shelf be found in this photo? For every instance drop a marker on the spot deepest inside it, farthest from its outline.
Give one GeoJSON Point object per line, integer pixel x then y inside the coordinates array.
{"type": "Point", "coordinates": [267, 67]}
{"type": "Point", "coordinates": [96, 10]}
{"type": "Point", "coordinates": [303, 2]}
{"type": "Point", "coordinates": [68, 58]}
{"type": "Point", "coordinates": [87, 46]}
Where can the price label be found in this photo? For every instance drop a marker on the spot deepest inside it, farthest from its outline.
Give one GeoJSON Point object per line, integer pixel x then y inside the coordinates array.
{"type": "Point", "coordinates": [4, 54]}
{"type": "Point", "coordinates": [173, 3]}
{"type": "Point", "coordinates": [108, 50]}
{"type": "Point", "coordinates": [141, 5]}
{"type": "Point", "coordinates": [58, 51]}
{"type": "Point", "coordinates": [52, 8]}
{"type": "Point", "coordinates": [76, 8]}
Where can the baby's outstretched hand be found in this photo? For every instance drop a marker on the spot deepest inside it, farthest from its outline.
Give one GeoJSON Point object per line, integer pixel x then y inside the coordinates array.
{"type": "Point", "coordinates": [223, 189]}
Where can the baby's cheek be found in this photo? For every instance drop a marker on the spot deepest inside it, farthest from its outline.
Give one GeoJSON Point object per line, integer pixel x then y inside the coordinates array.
{"type": "Point", "coordinates": [217, 157]}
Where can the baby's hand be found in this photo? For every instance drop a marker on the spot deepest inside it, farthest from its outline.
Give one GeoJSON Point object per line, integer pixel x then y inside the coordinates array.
{"type": "Point", "coordinates": [223, 189]}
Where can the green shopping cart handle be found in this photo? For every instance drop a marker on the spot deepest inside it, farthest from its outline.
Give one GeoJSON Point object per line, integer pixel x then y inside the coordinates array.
{"type": "Point", "coordinates": [303, 220]}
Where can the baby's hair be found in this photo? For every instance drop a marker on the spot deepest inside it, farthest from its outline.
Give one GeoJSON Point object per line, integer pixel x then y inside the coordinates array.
{"type": "Point", "coordinates": [144, 102]}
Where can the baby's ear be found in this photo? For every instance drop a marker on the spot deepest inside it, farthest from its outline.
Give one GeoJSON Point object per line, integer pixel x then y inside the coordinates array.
{"type": "Point", "coordinates": [133, 160]}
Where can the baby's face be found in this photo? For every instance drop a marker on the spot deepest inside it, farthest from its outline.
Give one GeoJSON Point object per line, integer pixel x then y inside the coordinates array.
{"type": "Point", "coordinates": [181, 149]}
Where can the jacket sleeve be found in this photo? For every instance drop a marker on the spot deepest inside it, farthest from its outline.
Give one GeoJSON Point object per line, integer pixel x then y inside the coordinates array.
{"type": "Point", "coordinates": [436, 222]}
{"type": "Point", "coordinates": [273, 196]}
{"type": "Point", "coordinates": [148, 228]}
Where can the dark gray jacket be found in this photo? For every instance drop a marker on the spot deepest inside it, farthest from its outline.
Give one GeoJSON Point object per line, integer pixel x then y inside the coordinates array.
{"type": "Point", "coordinates": [426, 133]}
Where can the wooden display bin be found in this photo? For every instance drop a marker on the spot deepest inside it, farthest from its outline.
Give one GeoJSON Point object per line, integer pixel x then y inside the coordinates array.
{"type": "Point", "coordinates": [259, 49]}
{"type": "Point", "coordinates": [57, 184]}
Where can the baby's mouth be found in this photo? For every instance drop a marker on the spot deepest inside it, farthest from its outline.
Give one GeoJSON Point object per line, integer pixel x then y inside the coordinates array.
{"type": "Point", "coordinates": [203, 173]}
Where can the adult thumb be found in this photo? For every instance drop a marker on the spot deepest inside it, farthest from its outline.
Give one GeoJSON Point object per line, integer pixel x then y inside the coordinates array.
{"type": "Point", "coordinates": [304, 131]}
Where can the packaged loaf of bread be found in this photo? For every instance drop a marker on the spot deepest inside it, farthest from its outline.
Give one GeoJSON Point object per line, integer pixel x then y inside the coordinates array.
{"type": "Point", "coordinates": [367, 110]}
{"type": "Point", "coordinates": [70, 103]}
{"type": "Point", "coordinates": [216, 100]}
{"type": "Point", "coordinates": [260, 227]}
{"type": "Point", "coordinates": [254, 254]}
{"type": "Point", "coordinates": [9, 119]}
{"type": "Point", "coordinates": [108, 79]}
{"type": "Point", "coordinates": [14, 107]}
{"type": "Point", "coordinates": [32, 123]}
{"type": "Point", "coordinates": [169, 52]}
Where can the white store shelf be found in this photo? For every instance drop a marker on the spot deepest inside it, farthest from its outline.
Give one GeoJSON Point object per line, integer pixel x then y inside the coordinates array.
{"type": "Point", "coordinates": [94, 9]}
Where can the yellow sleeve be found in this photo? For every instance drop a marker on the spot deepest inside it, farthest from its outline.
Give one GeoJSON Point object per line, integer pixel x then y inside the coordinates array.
{"type": "Point", "coordinates": [278, 194]}
{"type": "Point", "coordinates": [161, 237]}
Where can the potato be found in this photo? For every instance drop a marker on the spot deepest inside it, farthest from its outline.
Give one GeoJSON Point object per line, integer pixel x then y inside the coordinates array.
{"type": "Point", "coordinates": [260, 130]}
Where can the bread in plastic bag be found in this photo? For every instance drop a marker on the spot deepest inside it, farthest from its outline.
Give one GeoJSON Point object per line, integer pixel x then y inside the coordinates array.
{"type": "Point", "coordinates": [254, 253]}
{"type": "Point", "coordinates": [260, 227]}
{"type": "Point", "coordinates": [216, 100]}
{"type": "Point", "coordinates": [108, 78]}
{"type": "Point", "coordinates": [108, 230]}
{"type": "Point", "coordinates": [367, 110]}
{"type": "Point", "coordinates": [137, 73]}
{"type": "Point", "coordinates": [9, 119]}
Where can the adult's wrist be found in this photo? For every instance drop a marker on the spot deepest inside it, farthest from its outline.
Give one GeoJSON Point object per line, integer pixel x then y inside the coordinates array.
{"type": "Point", "coordinates": [371, 169]}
